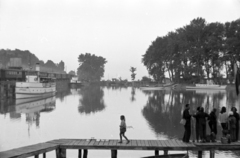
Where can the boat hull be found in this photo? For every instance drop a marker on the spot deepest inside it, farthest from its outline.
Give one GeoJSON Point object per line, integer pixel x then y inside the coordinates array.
{"type": "Point", "coordinates": [164, 87]}
{"type": "Point", "coordinates": [206, 86]}
{"type": "Point", "coordinates": [33, 90]}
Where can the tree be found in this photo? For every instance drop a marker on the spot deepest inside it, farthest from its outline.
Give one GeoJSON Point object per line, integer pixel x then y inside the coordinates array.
{"type": "Point", "coordinates": [91, 67]}
{"type": "Point", "coordinates": [146, 79]}
{"type": "Point", "coordinates": [61, 66]}
{"type": "Point", "coordinates": [133, 74]}
{"type": "Point", "coordinates": [198, 49]}
{"type": "Point", "coordinates": [72, 73]}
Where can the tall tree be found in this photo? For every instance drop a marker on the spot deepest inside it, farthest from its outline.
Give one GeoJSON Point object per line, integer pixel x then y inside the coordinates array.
{"type": "Point", "coordinates": [61, 66]}
{"type": "Point", "coordinates": [133, 74]}
{"type": "Point", "coordinates": [91, 67]}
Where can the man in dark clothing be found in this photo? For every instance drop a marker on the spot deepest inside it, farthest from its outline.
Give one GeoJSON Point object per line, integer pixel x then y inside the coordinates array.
{"type": "Point", "coordinates": [236, 115]}
{"type": "Point", "coordinates": [202, 116]}
{"type": "Point", "coordinates": [197, 124]}
{"type": "Point", "coordinates": [187, 126]}
{"type": "Point", "coordinates": [213, 121]}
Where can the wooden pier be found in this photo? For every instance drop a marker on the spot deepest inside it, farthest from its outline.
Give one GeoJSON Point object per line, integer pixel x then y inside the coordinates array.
{"type": "Point", "coordinates": [84, 145]}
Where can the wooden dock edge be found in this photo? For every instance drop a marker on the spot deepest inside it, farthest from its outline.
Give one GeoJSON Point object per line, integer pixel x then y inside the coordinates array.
{"type": "Point", "coordinates": [83, 145]}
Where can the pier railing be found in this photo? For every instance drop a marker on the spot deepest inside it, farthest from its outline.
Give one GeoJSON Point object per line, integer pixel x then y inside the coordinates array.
{"type": "Point", "coordinates": [83, 145]}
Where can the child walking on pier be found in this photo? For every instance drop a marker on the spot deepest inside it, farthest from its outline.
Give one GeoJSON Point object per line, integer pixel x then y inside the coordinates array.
{"type": "Point", "coordinates": [123, 129]}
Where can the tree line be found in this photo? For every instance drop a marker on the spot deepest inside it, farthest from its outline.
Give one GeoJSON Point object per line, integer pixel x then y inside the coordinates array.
{"type": "Point", "coordinates": [197, 51]}
{"type": "Point", "coordinates": [29, 60]}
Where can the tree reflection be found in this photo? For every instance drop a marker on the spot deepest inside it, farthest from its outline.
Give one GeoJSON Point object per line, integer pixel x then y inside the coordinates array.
{"type": "Point", "coordinates": [92, 99]}
{"type": "Point", "coordinates": [133, 94]}
{"type": "Point", "coordinates": [163, 109]}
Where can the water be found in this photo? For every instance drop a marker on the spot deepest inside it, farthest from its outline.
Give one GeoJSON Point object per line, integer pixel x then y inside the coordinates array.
{"type": "Point", "coordinates": [94, 112]}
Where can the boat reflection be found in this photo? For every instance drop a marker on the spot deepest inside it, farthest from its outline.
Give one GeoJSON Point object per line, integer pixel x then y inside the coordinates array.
{"type": "Point", "coordinates": [163, 108]}
{"type": "Point", "coordinates": [31, 107]}
{"type": "Point", "coordinates": [91, 100]}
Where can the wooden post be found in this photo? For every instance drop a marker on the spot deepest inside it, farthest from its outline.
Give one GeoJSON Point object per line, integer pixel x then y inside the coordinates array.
{"type": "Point", "coordinates": [57, 153]}
{"type": "Point", "coordinates": [156, 152]}
{"type": "Point", "coordinates": [79, 153]}
{"type": "Point", "coordinates": [63, 153]}
{"type": "Point", "coordinates": [44, 155]}
{"type": "Point", "coordinates": [85, 152]}
{"type": "Point", "coordinates": [36, 156]}
{"type": "Point", "coordinates": [165, 152]}
{"type": "Point", "coordinates": [199, 154]}
{"type": "Point", "coordinates": [114, 153]}
{"type": "Point", "coordinates": [212, 153]}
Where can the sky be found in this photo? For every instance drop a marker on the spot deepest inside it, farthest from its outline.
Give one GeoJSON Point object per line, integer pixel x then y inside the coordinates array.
{"type": "Point", "coordinates": [118, 30]}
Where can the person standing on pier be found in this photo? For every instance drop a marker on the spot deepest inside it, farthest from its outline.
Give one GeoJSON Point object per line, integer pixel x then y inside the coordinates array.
{"type": "Point", "coordinates": [187, 126]}
{"type": "Point", "coordinates": [123, 128]}
{"type": "Point", "coordinates": [202, 116]}
{"type": "Point", "coordinates": [232, 126]}
{"type": "Point", "coordinates": [197, 124]}
{"type": "Point", "coordinates": [236, 115]}
{"type": "Point", "coordinates": [213, 121]}
{"type": "Point", "coordinates": [223, 118]}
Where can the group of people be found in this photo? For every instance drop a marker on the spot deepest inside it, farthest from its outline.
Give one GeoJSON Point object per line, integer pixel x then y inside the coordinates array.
{"type": "Point", "coordinates": [229, 123]}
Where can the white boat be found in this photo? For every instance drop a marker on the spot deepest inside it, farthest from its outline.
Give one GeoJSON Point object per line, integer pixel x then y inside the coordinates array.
{"type": "Point", "coordinates": [162, 87]}
{"type": "Point", "coordinates": [75, 80]}
{"type": "Point", "coordinates": [207, 86]}
{"type": "Point", "coordinates": [35, 87]}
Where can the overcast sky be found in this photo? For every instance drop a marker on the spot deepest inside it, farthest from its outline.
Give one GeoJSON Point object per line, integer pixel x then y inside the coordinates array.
{"type": "Point", "coordinates": [118, 30]}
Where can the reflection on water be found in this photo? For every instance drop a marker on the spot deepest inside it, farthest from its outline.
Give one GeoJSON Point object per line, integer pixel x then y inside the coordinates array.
{"type": "Point", "coordinates": [91, 100]}
{"type": "Point", "coordinates": [167, 106]}
{"type": "Point", "coordinates": [31, 107]}
{"type": "Point", "coordinates": [79, 113]}
{"type": "Point", "coordinates": [133, 94]}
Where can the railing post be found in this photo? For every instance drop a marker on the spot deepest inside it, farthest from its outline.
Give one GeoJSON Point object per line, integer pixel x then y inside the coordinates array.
{"type": "Point", "coordinates": [200, 154]}
{"type": "Point", "coordinates": [79, 153]}
{"type": "Point", "coordinates": [114, 153]}
{"type": "Point", "coordinates": [156, 152]}
{"type": "Point", "coordinates": [85, 152]}
{"type": "Point", "coordinates": [36, 156]}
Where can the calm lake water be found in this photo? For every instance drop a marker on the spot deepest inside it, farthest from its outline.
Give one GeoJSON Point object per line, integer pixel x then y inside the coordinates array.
{"type": "Point", "coordinates": [94, 112]}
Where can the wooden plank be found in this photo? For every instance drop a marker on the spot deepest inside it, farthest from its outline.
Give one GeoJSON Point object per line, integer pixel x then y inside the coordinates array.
{"type": "Point", "coordinates": [146, 143]}
{"type": "Point", "coordinates": [91, 143]}
{"type": "Point", "coordinates": [129, 144]}
{"type": "Point", "coordinates": [97, 142]}
{"type": "Point", "coordinates": [173, 143]}
{"type": "Point", "coordinates": [28, 151]}
{"type": "Point", "coordinates": [167, 143]}
{"type": "Point", "coordinates": [162, 143]}
{"type": "Point", "coordinates": [154, 143]}
{"type": "Point", "coordinates": [71, 143]}
{"type": "Point", "coordinates": [101, 142]}
{"type": "Point", "coordinates": [76, 143]}
{"type": "Point", "coordinates": [139, 143]}
{"type": "Point", "coordinates": [143, 142]}
{"type": "Point", "coordinates": [87, 141]}
{"type": "Point", "coordinates": [58, 141]}
{"type": "Point", "coordinates": [106, 142]}
{"type": "Point", "coordinates": [81, 142]}
{"type": "Point", "coordinates": [111, 142]}
{"type": "Point", "coordinates": [178, 143]}
{"type": "Point", "coordinates": [134, 143]}
{"type": "Point", "coordinates": [115, 142]}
